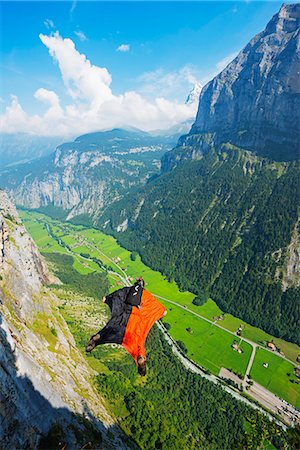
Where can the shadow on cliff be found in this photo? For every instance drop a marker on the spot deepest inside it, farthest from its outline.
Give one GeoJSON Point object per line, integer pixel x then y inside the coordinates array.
{"type": "Point", "coordinates": [28, 420]}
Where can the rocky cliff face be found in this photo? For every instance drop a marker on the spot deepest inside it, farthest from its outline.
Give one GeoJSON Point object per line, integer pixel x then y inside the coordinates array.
{"type": "Point", "coordinates": [254, 102]}
{"type": "Point", "coordinates": [45, 384]}
{"type": "Point", "coordinates": [88, 174]}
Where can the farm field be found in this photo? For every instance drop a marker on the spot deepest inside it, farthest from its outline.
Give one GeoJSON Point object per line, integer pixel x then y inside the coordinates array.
{"type": "Point", "coordinates": [210, 309]}
{"type": "Point", "coordinates": [278, 377]}
{"type": "Point", "coordinates": [207, 345]}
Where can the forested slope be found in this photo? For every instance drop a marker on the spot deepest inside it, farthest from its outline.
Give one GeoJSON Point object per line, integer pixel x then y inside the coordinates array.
{"type": "Point", "coordinates": [222, 224]}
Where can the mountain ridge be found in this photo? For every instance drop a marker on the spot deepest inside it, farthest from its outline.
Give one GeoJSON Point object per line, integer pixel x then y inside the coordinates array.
{"type": "Point", "coordinates": [254, 102]}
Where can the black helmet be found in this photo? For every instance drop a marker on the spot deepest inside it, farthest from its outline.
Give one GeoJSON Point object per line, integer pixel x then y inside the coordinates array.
{"type": "Point", "coordinates": [140, 282]}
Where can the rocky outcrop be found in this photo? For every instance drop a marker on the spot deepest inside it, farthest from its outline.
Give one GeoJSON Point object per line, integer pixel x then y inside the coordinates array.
{"type": "Point", "coordinates": [70, 184]}
{"type": "Point", "coordinates": [45, 382]}
{"type": "Point", "coordinates": [289, 273]}
{"type": "Point", "coordinates": [3, 239]}
{"type": "Point", "coordinates": [254, 102]}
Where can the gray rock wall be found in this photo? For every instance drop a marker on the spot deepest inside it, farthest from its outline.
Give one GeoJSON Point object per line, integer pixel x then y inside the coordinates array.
{"type": "Point", "coordinates": [254, 102]}
{"type": "Point", "coordinates": [42, 374]}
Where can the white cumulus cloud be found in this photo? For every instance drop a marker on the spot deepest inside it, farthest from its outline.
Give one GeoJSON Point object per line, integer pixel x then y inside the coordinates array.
{"type": "Point", "coordinates": [47, 96]}
{"type": "Point", "coordinates": [123, 48]}
{"type": "Point", "coordinates": [173, 84]}
{"type": "Point", "coordinates": [92, 105]}
{"type": "Point", "coordinates": [81, 78]}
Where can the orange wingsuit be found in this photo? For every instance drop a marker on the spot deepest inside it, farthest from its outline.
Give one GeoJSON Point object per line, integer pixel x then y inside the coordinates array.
{"type": "Point", "coordinates": [139, 324]}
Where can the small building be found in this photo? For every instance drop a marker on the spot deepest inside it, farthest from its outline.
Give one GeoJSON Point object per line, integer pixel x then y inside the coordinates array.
{"type": "Point", "coordinates": [271, 345]}
{"type": "Point", "coordinates": [297, 372]}
{"type": "Point", "coordinates": [266, 365]}
{"type": "Point", "coordinates": [218, 318]}
{"type": "Point", "coordinates": [237, 348]}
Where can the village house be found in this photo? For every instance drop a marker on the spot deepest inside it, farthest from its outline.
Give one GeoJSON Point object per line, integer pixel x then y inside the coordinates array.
{"type": "Point", "coordinates": [240, 329]}
{"type": "Point", "coordinates": [218, 318]}
{"type": "Point", "coordinates": [237, 348]}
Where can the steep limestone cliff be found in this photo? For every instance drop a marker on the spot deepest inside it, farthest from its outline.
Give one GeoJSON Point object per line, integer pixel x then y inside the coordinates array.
{"type": "Point", "coordinates": [45, 383]}
{"type": "Point", "coordinates": [254, 102]}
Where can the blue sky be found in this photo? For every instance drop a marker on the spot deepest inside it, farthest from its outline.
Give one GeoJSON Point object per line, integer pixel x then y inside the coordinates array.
{"type": "Point", "coordinates": [154, 49]}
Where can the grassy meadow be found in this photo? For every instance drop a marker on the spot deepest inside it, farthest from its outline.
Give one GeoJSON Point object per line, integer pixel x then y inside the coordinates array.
{"type": "Point", "coordinates": [278, 377]}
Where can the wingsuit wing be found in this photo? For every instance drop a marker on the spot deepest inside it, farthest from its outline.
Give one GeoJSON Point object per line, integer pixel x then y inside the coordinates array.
{"type": "Point", "coordinates": [114, 330]}
{"type": "Point", "coordinates": [139, 324]}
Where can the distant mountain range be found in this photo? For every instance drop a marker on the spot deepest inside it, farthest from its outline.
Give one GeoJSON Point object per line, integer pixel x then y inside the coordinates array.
{"type": "Point", "coordinates": [86, 175]}
{"type": "Point", "coordinates": [18, 148]}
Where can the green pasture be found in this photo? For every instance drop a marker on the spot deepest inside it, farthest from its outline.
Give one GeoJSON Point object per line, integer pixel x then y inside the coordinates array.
{"type": "Point", "coordinates": [47, 244]}
{"type": "Point", "coordinates": [278, 377]}
{"type": "Point", "coordinates": [210, 309]}
{"type": "Point", "coordinates": [81, 249]}
{"type": "Point", "coordinates": [290, 350]}
{"type": "Point", "coordinates": [155, 281]}
{"type": "Point", "coordinates": [40, 235]}
{"type": "Point", "coordinates": [83, 266]}
{"type": "Point", "coordinates": [68, 239]}
{"type": "Point", "coordinates": [207, 345]}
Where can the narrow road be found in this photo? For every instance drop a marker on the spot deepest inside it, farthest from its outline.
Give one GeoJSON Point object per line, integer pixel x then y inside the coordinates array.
{"type": "Point", "coordinates": [93, 247]}
{"type": "Point", "coordinates": [249, 365]}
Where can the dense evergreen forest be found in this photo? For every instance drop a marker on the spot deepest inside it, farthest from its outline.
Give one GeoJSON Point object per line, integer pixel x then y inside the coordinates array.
{"type": "Point", "coordinates": [221, 225]}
